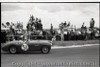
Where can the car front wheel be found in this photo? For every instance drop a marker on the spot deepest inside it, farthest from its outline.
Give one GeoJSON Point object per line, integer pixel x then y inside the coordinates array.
{"type": "Point", "coordinates": [45, 49]}
{"type": "Point", "coordinates": [13, 50]}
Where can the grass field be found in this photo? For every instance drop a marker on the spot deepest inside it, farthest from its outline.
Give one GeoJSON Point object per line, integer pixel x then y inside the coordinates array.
{"type": "Point", "coordinates": [78, 42]}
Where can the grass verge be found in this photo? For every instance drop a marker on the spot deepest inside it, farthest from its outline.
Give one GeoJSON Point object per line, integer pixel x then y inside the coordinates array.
{"type": "Point", "coordinates": [78, 42]}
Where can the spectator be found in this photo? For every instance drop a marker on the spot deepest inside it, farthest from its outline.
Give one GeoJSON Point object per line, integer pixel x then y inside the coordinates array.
{"type": "Point", "coordinates": [51, 30]}
{"type": "Point", "coordinates": [7, 25]}
{"type": "Point", "coordinates": [39, 25]}
{"type": "Point", "coordinates": [54, 38]}
{"type": "Point", "coordinates": [82, 27]}
{"type": "Point", "coordinates": [36, 24]}
{"type": "Point", "coordinates": [92, 22]}
{"type": "Point", "coordinates": [65, 24]}
{"type": "Point", "coordinates": [33, 27]}
{"type": "Point", "coordinates": [3, 25]}
{"type": "Point", "coordinates": [32, 17]}
{"type": "Point", "coordinates": [68, 24]}
{"type": "Point", "coordinates": [61, 26]}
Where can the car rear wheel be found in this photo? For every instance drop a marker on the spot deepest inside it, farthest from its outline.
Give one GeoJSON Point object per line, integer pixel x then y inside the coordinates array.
{"type": "Point", "coordinates": [13, 50]}
{"type": "Point", "coordinates": [45, 49]}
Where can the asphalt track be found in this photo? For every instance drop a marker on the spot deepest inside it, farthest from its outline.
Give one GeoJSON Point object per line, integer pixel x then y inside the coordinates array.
{"type": "Point", "coordinates": [80, 56]}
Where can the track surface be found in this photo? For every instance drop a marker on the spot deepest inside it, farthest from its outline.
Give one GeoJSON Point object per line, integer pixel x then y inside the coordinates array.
{"type": "Point", "coordinates": [87, 56]}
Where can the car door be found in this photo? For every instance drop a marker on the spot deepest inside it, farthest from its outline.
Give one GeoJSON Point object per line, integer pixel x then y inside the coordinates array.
{"type": "Point", "coordinates": [34, 45]}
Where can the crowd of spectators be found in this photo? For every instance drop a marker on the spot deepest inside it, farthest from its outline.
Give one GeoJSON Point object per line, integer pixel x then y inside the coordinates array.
{"type": "Point", "coordinates": [34, 24]}
{"type": "Point", "coordinates": [69, 32]}
{"type": "Point", "coordinates": [35, 27]}
{"type": "Point", "coordinates": [12, 30]}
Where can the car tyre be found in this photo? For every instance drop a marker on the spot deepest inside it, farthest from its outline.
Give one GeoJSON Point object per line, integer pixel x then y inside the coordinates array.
{"type": "Point", "coordinates": [45, 49]}
{"type": "Point", "coordinates": [13, 49]}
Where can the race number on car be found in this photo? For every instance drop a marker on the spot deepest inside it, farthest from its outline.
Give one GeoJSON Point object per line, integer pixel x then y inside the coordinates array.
{"type": "Point", "coordinates": [24, 47]}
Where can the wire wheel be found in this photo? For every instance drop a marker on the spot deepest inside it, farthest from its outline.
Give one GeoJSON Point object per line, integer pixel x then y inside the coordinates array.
{"type": "Point", "coordinates": [13, 50]}
{"type": "Point", "coordinates": [45, 49]}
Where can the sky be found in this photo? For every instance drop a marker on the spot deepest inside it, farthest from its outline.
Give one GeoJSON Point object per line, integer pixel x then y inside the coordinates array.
{"type": "Point", "coordinates": [54, 13]}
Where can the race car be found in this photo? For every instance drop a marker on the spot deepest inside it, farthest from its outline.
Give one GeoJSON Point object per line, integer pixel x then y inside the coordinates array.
{"type": "Point", "coordinates": [29, 45]}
